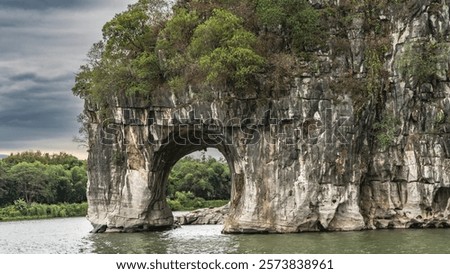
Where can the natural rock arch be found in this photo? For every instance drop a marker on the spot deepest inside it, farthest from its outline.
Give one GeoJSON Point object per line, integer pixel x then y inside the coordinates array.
{"type": "Point", "coordinates": [148, 146]}
{"type": "Point", "coordinates": [284, 179]}
{"type": "Point", "coordinates": [310, 156]}
{"type": "Point", "coordinates": [180, 144]}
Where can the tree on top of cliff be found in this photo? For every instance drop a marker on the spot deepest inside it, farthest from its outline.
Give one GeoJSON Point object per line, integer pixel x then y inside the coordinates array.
{"type": "Point", "coordinates": [220, 44]}
{"type": "Point", "coordinates": [125, 60]}
{"type": "Point", "coordinates": [226, 51]}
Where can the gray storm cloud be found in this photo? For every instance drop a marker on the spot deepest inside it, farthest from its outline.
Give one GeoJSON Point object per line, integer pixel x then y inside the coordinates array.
{"type": "Point", "coordinates": [42, 45]}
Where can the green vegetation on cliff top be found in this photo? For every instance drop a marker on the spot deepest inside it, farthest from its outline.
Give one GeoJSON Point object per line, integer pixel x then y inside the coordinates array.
{"type": "Point", "coordinates": [224, 45]}
{"type": "Point", "coordinates": [239, 46]}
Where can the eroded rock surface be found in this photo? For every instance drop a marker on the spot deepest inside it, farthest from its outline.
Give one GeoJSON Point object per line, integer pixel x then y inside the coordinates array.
{"type": "Point", "coordinates": [307, 159]}
{"type": "Point", "coordinates": [204, 216]}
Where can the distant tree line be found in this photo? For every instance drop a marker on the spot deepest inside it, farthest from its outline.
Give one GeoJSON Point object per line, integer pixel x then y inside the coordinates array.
{"type": "Point", "coordinates": [206, 178]}
{"type": "Point", "coordinates": [199, 183]}
{"type": "Point", "coordinates": [20, 210]}
{"type": "Point", "coordinates": [36, 177]}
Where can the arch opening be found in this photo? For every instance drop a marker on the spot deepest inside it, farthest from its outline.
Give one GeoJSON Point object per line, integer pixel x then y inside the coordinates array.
{"type": "Point", "coordinates": [175, 150]}
{"type": "Point", "coordinates": [200, 180]}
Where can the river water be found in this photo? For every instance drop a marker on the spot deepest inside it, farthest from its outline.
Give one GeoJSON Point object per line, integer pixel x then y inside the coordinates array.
{"type": "Point", "coordinates": [72, 236]}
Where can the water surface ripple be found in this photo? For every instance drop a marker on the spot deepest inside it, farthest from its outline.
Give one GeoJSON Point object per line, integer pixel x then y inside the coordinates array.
{"type": "Point", "coordinates": [72, 236]}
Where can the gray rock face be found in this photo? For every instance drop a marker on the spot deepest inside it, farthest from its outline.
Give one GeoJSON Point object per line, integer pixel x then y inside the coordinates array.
{"type": "Point", "coordinates": [307, 159]}
{"type": "Point", "coordinates": [205, 216]}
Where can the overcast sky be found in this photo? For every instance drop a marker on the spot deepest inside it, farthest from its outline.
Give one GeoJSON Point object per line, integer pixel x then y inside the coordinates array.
{"type": "Point", "coordinates": [42, 45]}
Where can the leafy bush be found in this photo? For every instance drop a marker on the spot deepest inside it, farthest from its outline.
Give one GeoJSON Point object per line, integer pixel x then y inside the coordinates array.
{"type": "Point", "coordinates": [298, 18]}
{"type": "Point", "coordinates": [386, 130]}
{"type": "Point", "coordinates": [215, 203]}
{"type": "Point", "coordinates": [175, 37]}
{"type": "Point", "coordinates": [187, 201]}
{"type": "Point", "coordinates": [175, 205]}
{"type": "Point", "coordinates": [62, 213]}
{"type": "Point", "coordinates": [221, 47]}
{"type": "Point", "coordinates": [21, 206]}
{"type": "Point", "coordinates": [125, 61]}
{"type": "Point", "coordinates": [38, 211]}
{"type": "Point", "coordinates": [209, 179]}
{"type": "Point", "coordinates": [376, 74]}
{"type": "Point", "coordinates": [423, 60]}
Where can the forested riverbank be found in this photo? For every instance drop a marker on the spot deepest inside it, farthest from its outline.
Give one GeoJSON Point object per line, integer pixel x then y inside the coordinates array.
{"type": "Point", "coordinates": [43, 178]}
{"type": "Point", "coordinates": [36, 185]}
{"type": "Point", "coordinates": [20, 210]}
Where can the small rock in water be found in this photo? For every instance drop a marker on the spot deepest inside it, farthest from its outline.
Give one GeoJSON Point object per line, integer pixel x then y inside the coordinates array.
{"type": "Point", "coordinates": [205, 216]}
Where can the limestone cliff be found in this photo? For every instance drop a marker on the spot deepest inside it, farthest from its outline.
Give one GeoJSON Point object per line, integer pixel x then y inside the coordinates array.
{"type": "Point", "coordinates": [317, 155]}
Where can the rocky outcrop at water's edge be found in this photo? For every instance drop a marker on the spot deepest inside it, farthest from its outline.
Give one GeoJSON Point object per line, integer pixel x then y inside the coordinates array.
{"type": "Point", "coordinates": [204, 216]}
{"type": "Point", "coordinates": [316, 156]}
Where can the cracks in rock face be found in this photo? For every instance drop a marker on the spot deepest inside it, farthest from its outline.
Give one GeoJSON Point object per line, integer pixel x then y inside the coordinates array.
{"type": "Point", "coordinates": [404, 185]}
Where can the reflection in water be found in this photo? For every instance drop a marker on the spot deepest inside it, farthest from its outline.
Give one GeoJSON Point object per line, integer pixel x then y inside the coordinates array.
{"type": "Point", "coordinates": [45, 236]}
{"type": "Point", "coordinates": [72, 236]}
{"type": "Point", "coordinates": [207, 239]}
{"type": "Point", "coordinates": [188, 239]}
{"type": "Point", "coordinates": [363, 242]}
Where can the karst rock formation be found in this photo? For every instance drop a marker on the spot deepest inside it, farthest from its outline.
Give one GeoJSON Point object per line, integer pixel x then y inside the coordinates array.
{"type": "Point", "coordinates": [317, 155]}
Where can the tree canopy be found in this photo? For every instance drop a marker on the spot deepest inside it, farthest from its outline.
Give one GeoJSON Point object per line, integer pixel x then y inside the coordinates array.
{"type": "Point", "coordinates": [209, 178]}
{"type": "Point", "coordinates": [201, 44]}
{"type": "Point", "coordinates": [125, 60]}
{"type": "Point", "coordinates": [43, 178]}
